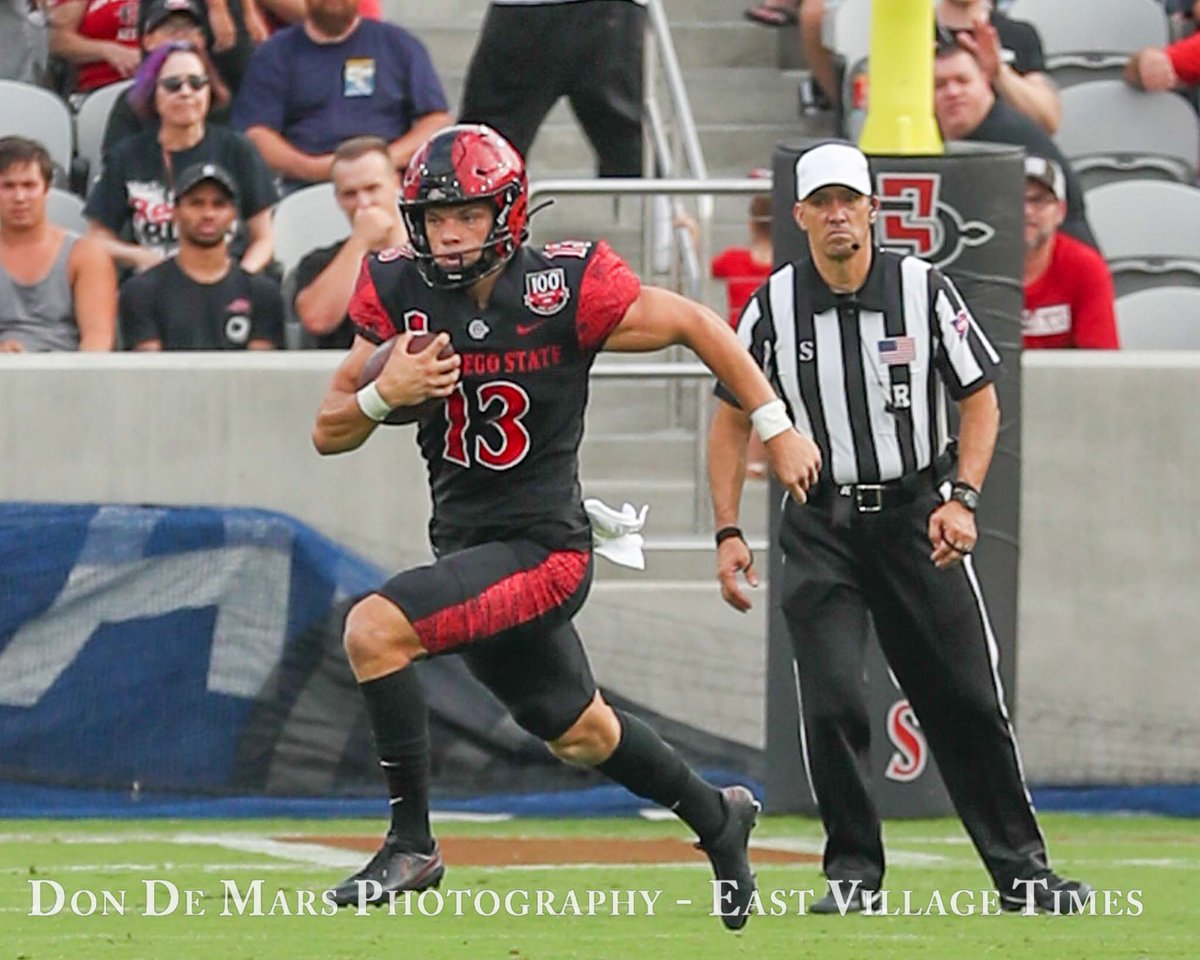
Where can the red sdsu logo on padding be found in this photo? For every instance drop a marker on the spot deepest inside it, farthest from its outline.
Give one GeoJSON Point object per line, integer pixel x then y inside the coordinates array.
{"type": "Point", "coordinates": [912, 752]}
{"type": "Point", "coordinates": [913, 219]}
{"type": "Point", "coordinates": [546, 292]}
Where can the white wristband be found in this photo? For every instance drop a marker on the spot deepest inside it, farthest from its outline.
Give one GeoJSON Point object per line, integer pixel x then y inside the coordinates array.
{"type": "Point", "coordinates": [771, 419]}
{"type": "Point", "coordinates": [373, 406]}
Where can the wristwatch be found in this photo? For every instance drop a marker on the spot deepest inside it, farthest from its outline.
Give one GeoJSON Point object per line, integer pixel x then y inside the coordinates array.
{"type": "Point", "coordinates": [962, 492]}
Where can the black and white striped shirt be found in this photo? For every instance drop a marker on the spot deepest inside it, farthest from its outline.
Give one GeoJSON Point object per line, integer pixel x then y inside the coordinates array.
{"type": "Point", "coordinates": [866, 375]}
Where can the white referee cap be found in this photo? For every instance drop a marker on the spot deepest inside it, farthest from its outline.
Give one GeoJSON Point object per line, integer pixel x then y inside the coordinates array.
{"type": "Point", "coordinates": [832, 164]}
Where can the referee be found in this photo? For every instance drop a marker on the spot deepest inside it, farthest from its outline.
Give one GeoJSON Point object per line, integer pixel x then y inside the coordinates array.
{"type": "Point", "coordinates": [863, 345]}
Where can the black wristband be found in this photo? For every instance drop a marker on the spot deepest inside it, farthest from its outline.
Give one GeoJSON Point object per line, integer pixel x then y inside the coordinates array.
{"type": "Point", "coordinates": [725, 533]}
{"type": "Point", "coordinates": [962, 492]}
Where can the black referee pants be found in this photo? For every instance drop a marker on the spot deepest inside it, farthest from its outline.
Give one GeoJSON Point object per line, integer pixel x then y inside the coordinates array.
{"type": "Point", "coordinates": [590, 52]}
{"type": "Point", "coordinates": [932, 626]}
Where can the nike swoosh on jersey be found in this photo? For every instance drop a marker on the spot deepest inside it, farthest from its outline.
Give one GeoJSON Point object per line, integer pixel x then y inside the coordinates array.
{"type": "Point", "coordinates": [526, 328]}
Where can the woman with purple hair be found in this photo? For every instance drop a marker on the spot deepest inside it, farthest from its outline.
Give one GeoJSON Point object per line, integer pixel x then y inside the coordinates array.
{"type": "Point", "coordinates": [131, 206]}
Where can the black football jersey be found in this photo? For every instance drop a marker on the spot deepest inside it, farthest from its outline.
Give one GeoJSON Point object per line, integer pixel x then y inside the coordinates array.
{"type": "Point", "coordinates": [503, 451]}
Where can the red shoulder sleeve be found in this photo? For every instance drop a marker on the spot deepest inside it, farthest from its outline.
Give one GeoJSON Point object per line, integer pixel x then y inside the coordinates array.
{"type": "Point", "coordinates": [367, 311]}
{"type": "Point", "coordinates": [606, 292]}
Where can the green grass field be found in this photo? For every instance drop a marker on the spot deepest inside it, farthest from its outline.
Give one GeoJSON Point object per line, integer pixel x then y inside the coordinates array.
{"type": "Point", "coordinates": [1153, 861]}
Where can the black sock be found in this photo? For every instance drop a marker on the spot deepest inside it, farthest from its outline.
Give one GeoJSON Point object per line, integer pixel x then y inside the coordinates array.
{"type": "Point", "coordinates": [645, 765]}
{"type": "Point", "coordinates": [398, 715]}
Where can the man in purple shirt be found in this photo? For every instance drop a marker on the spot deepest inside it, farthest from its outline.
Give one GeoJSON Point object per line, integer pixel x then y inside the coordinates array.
{"type": "Point", "coordinates": [332, 77]}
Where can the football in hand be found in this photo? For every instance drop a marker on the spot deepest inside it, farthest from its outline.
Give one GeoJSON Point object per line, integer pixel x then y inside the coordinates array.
{"type": "Point", "coordinates": [375, 364]}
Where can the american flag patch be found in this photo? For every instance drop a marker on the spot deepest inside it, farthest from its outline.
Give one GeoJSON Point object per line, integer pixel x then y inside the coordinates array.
{"type": "Point", "coordinates": [962, 322]}
{"type": "Point", "coordinates": [897, 350]}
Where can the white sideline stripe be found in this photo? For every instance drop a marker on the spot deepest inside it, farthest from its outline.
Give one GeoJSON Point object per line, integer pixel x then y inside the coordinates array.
{"type": "Point", "coordinates": [310, 853]}
{"type": "Point", "coordinates": [906, 858]}
{"type": "Point", "coordinates": [256, 868]}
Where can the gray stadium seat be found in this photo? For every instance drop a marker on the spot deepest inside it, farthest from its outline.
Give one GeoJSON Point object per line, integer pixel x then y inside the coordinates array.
{"type": "Point", "coordinates": [65, 210]}
{"type": "Point", "coordinates": [90, 121]}
{"type": "Point", "coordinates": [305, 220]}
{"type": "Point", "coordinates": [1112, 132]}
{"type": "Point", "coordinates": [1091, 39]}
{"type": "Point", "coordinates": [1148, 231]}
{"type": "Point", "coordinates": [38, 114]}
{"type": "Point", "coordinates": [1167, 318]}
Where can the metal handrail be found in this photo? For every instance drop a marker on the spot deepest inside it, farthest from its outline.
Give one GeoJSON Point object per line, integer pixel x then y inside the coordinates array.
{"type": "Point", "coordinates": [647, 186]}
{"type": "Point", "coordinates": [679, 99]}
{"type": "Point", "coordinates": [693, 154]}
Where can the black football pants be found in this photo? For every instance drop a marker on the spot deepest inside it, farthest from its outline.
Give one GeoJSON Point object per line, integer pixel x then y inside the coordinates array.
{"type": "Point", "coordinates": [933, 628]}
{"type": "Point", "coordinates": [590, 52]}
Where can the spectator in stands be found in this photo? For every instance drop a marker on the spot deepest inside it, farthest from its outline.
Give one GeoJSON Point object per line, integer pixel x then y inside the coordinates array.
{"type": "Point", "coordinates": [968, 109]}
{"type": "Point", "coordinates": [250, 23]}
{"type": "Point", "coordinates": [1068, 289]}
{"type": "Point", "coordinates": [332, 77]}
{"type": "Point", "coordinates": [589, 51]}
{"type": "Point", "coordinates": [130, 206]}
{"type": "Point", "coordinates": [98, 38]}
{"type": "Point", "coordinates": [811, 15]}
{"type": "Point", "coordinates": [23, 42]}
{"type": "Point", "coordinates": [1010, 54]}
{"type": "Point", "coordinates": [160, 22]}
{"type": "Point", "coordinates": [743, 269]}
{"type": "Point", "coordinates": [58, 291]}
{"type": "Point", "coordinates": [367, 188]}
{"type": "Point", "coordinates": [1165, 68]}
{"type": "Point", "coordinates": [200, 299]}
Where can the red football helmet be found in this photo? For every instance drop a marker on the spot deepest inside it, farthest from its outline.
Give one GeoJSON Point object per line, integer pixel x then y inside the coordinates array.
{"type": "Point", "coordinates": [463, 164]}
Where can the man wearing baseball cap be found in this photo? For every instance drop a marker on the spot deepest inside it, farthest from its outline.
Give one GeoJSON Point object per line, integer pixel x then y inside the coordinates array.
{"type": "Point", "coordinates": [201, 298]}
{"type": "Point", "coordinates": [1068, 288]}
{"type": "Point", "coordinates": [864, 344]}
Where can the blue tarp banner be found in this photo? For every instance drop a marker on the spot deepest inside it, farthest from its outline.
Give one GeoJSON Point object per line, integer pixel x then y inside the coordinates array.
{"type": "Point", "coordinates": [151, 658]}
{"type": "Point", "coordinates": [134, 641]}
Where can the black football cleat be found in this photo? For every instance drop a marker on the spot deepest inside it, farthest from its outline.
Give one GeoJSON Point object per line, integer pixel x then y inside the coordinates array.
{"type": "Point", "coordinates": [1048, 893]}
{"type": "Point", "coordinates": [392, 869]}
{"type": "Point", "coordinates": [729, 854]}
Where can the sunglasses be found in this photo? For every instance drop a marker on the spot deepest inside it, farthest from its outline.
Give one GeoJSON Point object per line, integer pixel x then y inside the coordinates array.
{"type": "Point", "coordinates": [174, 84]}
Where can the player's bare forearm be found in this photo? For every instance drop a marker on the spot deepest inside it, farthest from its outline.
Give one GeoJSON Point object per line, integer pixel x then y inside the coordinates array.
{"type": "Point", "coordinates": [341, 425]}
{"type": "Point", "coordinates": [727, 438]}
{"type": "Point", "coordinates": [978, 430]}
{"type": "Point", "coordinates": [660, 318]}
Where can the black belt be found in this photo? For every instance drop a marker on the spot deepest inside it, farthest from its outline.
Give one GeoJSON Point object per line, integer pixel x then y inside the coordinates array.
{"type": "Point", "coordinates": [878, 497]}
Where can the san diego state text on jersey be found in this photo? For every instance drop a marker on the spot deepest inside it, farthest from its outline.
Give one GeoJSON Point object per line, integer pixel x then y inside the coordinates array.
{"type": "Point", "coordinates": [518, 408]}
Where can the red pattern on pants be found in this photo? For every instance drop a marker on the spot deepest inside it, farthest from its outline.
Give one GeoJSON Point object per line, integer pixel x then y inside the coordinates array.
{"type": "Point", "coordinates": [510, 602]}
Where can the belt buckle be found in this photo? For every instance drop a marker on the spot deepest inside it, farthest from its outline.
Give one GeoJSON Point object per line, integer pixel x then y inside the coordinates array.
{"type": "Point", "coordinates": [868, 497]}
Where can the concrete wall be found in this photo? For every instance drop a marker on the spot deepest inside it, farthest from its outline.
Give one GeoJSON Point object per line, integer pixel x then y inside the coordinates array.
{"type": "Point", "coordinates": [1108, 672]}
{"type": "Point", "coordinates": [1110, 570]}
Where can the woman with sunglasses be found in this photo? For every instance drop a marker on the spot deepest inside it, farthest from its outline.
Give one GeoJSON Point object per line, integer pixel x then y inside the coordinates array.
{"type": "Point", "coordinates": [131, 206]}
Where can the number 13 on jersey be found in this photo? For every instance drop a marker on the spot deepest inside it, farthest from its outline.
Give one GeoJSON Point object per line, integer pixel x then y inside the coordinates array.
{"type": "Point", "coordinates": [484, 425]}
